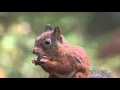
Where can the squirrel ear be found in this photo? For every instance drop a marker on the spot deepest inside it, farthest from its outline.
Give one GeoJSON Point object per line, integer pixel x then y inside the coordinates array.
{"type": "Point", "coordinates": [48, 28]}
{"type": "Point", "coordinates": [57, 31]}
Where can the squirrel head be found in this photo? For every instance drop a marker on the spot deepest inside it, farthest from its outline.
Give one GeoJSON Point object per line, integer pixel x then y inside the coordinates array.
{"type": "Point", "coordinates": [48, 42]}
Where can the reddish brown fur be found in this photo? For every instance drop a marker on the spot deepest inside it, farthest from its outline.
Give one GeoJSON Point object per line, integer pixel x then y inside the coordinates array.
{"type": "Point", "coordinates": [62, 58]}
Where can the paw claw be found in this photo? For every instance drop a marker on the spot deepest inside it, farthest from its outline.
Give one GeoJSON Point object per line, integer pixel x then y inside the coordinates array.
{"type": "Point", "coordinates": [33, 60]}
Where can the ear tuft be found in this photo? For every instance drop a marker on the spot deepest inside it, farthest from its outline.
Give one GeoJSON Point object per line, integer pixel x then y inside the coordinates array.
{"type": "Point", "coordinates": [48, 28]}
{"type": "Point", "coordinates": [57, 31]}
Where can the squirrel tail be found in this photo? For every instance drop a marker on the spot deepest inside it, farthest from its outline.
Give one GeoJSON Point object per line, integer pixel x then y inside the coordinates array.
{"type": "Point", "coordinates": [99, 73]}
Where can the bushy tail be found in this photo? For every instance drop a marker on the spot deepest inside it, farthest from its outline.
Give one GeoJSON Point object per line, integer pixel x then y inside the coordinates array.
{"type": "Point", "coordinates": [99, 73]}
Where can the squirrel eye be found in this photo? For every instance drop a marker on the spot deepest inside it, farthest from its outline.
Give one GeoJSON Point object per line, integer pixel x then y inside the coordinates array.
{"type": "Point", "coordinates": [47, 41]}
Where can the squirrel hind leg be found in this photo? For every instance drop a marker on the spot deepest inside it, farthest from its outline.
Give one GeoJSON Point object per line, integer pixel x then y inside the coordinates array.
{"type": "Point", "coordinates": [80, 75]}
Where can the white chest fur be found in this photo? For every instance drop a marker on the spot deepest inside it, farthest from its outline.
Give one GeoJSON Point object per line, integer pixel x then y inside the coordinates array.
{"type": "Point", "coordinates": [65, 76]}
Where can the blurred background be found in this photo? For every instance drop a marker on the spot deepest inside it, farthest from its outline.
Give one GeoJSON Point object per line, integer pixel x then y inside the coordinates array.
{"type": "Point", "coordinates": [97, 32]}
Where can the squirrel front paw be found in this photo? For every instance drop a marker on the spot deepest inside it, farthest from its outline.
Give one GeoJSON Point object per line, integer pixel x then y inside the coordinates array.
{"type": "Point", "coordinates": [43, 60]}
{"type": "Point", "coordinates": [39, 61]}
{"type": "Point", "coordinates": [35, 61]}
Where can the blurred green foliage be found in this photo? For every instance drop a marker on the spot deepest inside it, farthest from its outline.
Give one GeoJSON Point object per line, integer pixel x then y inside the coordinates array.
{"type": "Point", "coordinates": [18, 31]}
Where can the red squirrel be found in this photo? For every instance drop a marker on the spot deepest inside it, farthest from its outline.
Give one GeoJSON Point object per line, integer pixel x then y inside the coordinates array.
{"type": "Point", "coordinates": [59, 58]}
